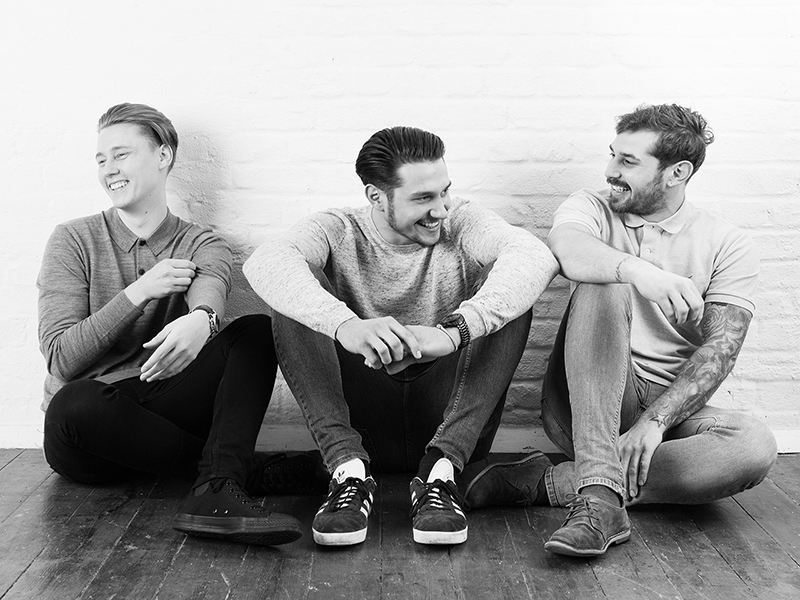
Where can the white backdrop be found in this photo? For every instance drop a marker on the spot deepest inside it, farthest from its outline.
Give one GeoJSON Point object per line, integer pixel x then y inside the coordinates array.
{"type": "Point", "coordinates": [272, 101]}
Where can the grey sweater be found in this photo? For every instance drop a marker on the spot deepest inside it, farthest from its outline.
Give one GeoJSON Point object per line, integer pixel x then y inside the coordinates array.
{"type": "Point", "coordinates": [88, 328]}
{"type": "Point", "coordinates": [416, 285]}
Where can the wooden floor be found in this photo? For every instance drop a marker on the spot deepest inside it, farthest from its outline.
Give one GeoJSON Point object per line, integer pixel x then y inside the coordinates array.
{"type": "Point", "coordinates": [61, 540]}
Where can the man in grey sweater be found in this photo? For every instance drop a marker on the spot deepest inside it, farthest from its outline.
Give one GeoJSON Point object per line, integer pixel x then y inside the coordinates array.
{"type": "Point", "coordinates": [138, 381]}
{"type": "Point", "coordinates": [398, 327]}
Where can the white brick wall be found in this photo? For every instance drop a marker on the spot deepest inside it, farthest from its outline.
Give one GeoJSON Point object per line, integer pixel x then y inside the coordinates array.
{"type": "Point", "coordinates": [273, 100]}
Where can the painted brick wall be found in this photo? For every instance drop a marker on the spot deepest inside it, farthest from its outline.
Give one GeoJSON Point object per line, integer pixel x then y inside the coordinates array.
{"type": "Point", "coordinates": [272, 101]}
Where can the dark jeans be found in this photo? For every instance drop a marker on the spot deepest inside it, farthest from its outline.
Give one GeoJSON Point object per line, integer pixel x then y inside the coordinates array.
{"type": "Point", "coordinates": [453, 403]}
{"type": "Point", "coordinates": [591, 395]}
{"type": "Point", "coordinates": [211, 411]}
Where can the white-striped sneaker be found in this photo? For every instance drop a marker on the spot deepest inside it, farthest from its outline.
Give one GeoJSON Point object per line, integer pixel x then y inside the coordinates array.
{"type": "Point", "coordinates": [342, 518]}
{"type": "Point", "coordinates": [436, 512]}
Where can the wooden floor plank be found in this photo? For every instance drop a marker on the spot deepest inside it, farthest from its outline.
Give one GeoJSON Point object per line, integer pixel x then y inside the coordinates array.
{"type": "Point", "coordinates": [60, 540]}
{"type": "Point", "coordinates": [409, 571]}
{"type": "Point", "coordinates": [8, 454]}
{"type": "Point", "coordinates": [19, 478]}
{"type": "Point", "coordinates": [549, 575]}
{"type": "Point", "coordinates": [490, 539]}
{"type": "Point", "coordinates": [77, 530]}
{"type": "Point", "coordinates": [749, 550]}
{"type": "Point", "coordinates": [786, 475]}
{"type": "Point", "coordinates": [776, 513]}
{"type": "Point", "coordinates": [141, 558]}
{"type": "Point", "coordinates": [687, 556]}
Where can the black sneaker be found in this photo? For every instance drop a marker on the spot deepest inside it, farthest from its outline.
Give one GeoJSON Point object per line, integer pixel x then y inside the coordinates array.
{"type": "Point", "coordinates": [342, 518]}
{"type": "Point", "coordinates": [221, 509]}
{"type": "Point", "coordinates": [295, 473]}
{"type": "Point", "coordinates": [436, 513]}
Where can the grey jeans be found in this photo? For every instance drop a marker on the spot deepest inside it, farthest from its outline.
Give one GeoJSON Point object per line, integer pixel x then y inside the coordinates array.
{"type": "Point", "coordinates": [591, 395]}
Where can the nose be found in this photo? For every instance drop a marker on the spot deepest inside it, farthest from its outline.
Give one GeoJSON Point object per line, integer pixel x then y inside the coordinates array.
{"type": "Point", "coordinates": [440, 208]}
{"type": "Point", "coordinates": [110, 168]}
{"type": "Point", "coordinates": [612, 172]}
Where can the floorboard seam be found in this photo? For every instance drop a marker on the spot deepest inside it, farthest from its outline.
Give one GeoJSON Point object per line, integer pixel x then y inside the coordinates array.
{"type": "Point", "coordinates": [520, 560]}
{"type": "Point", "coordinates": [25, 570]}
{"type": "Point", "coordinates": [659, 562]}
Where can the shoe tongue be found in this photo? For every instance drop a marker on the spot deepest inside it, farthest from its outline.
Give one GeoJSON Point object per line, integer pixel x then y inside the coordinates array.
{"type": "Point", "coordinates": [443, 469]}
{"type": "Point", "coordinates": [352, 468]}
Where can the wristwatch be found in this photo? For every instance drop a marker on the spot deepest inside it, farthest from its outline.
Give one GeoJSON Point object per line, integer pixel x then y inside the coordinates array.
{"type": "Point", "coordinates": [456, 320]}
{"type": "Point", "coordinates": [213, 319]}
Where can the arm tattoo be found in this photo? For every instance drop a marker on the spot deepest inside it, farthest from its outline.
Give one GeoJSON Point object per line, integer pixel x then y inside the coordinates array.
{"type": "Point", "coordinates": [724, 328]}
{"type": "Point", "coordinates": [618, 273]}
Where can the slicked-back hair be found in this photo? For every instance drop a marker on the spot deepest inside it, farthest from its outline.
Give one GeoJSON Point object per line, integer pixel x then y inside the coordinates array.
{"type": "Point", "coordinates": [389, 149]}
{"type": "Point", "coordinates": [153, 124]}
{"type": "Point", "coordinates": [683, 134]}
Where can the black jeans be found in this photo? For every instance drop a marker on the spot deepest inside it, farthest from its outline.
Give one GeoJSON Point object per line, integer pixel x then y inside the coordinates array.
{"type": "Point", "coordinates": [212, 411]}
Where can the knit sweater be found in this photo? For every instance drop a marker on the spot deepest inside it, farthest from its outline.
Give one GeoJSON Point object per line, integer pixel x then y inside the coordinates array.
{"type": "Point", "coordinates": [415, 284]}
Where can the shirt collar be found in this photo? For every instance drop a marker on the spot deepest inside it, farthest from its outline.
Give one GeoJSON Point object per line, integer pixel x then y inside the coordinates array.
{"type": "Point", "coordinates": [126, 239]}
{"type": "Point", "coordinates": [672, 224]}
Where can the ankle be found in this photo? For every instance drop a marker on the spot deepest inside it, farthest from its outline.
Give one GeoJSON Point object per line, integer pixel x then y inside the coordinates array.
{"type": "Point", "coordinates": [603, 493]}
{"type": "Point", "coordinates": [432, 456]}
{"type": "Point", "coordinates": [355, 467]}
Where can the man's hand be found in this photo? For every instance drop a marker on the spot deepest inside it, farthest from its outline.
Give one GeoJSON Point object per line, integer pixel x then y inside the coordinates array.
{"type": "Point", "coordinates": [380, 341]}
{"type": "Point", "coordinates": [676, 296]}
{"type": "Point", "coordinates": [636, 447]}
{"type": "Point", "coordinates": [170, 276]}
{"type": "Point", "coordinates": [433, 343]}
{"type": "Point", "coordinates": [177, 345]}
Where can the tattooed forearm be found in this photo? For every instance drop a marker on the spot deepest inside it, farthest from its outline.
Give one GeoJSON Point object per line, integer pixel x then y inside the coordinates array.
{"type": "Point", "coordinates": [724, 328]}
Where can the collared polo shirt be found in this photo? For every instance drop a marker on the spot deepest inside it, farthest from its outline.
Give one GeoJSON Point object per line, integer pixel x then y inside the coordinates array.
{"type": "Point", "coordinates": [718, 257]}
{"type": "Point", "coordinates": [88, 328]}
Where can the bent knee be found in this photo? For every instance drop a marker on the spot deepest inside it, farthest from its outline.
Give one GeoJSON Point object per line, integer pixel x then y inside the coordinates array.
{"type": "Point", "coordinates": [760, 451]}
{"type": "Point", "coordinates": [75, 400]}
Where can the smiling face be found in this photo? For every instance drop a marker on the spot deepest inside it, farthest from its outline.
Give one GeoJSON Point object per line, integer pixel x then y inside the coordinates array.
{"type": "Point", "coordinates": [415, 211]}
{"type": "Point", "coordinates": [637, 182]}
{"type": "Point", "coordinates": [132, 172]}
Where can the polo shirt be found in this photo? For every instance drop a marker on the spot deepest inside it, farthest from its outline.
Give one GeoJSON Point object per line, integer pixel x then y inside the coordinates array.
{"type": "Point", "coordinates": [719, 258]}
{"type": "Point", "coordinates": [88, 328]}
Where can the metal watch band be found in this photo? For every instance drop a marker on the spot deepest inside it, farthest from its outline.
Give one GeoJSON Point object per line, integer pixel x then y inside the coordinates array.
{"type": "Point", "coordinates": [456, 320]}
{"type": "Point", "coordinates": [213, 319]}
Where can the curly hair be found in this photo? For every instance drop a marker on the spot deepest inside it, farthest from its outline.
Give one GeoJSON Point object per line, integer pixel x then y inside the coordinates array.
{"type": "Point", "coordinates": [683, 133]}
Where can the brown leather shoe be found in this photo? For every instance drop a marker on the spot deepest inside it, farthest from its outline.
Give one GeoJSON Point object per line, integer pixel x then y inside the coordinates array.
{"type": "Point", "coordinates": [592, 525]}
{"type": "Point", "coordinates": [492, 482]}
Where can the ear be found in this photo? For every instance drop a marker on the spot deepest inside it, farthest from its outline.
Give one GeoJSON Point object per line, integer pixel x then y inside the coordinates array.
{"type": "Point", "coordinates": [165, 156]}
{"type": "Point", "coordinates": [679, 173]}
{"type": "Point", "coordinates": [374, 196]}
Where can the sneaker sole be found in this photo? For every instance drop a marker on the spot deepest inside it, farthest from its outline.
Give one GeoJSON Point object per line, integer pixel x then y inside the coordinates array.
{"type": "Point", "coordinates": [566, 550]}
{"type": "Point", "coordinates": [513, 463]}
{"type": "Point", "coordinates": [440, 537]}
{"type": "Point", "coordinates": [237, 529]}
{"type": "Point", "coordinates": [347, 538]}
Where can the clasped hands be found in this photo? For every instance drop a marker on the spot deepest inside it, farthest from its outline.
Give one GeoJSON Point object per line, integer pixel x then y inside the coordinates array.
{"type": "Point", "coordinates": [386, 344]}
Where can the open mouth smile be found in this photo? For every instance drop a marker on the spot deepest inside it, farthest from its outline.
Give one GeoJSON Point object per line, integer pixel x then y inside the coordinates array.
{"type": "Point", "coordinates": [117, 185]}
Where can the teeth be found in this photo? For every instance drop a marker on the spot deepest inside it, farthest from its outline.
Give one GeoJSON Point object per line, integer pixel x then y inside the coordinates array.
{"type": "Point", "coordinates": [619, 189]}
{"type": "Point", "coordinates": [429, 225]}
{"type": "Point", "coordinates": [117, 185]}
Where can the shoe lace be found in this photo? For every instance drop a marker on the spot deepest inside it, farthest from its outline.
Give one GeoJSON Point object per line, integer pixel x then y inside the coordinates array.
{"type": "Point", "coordinates": [348, 494]}
{"type": "Point", "coordinates": [438, 495]}
{"type": "Point", "coordinates": [234, 488]}
{"type": "Point", "coordinates": [579, 505]}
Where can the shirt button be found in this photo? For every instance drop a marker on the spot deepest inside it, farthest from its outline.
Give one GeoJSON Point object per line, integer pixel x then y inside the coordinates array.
{"type": "Point", "coordinates": [141, 271]}
{"type": "Point", "coordinates": [647, 251]}
{"type": "Point", "coordinates": [142, 242]}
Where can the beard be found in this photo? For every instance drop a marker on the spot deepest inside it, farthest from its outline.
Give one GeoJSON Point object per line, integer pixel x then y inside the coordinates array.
{"type": "Point", "coordinates": [645, 202]}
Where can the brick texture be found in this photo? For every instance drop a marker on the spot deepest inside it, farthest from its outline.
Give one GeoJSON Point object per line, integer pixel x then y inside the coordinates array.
{"type": "Point", "coordinates": [273, 100]}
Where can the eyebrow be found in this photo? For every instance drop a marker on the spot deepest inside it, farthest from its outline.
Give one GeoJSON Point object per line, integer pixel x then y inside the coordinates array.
{"type": "Point", "coordinates": [114, 149]}
{"type": "Point", "coordinates": [422, 194]}
{"type": "Point", "coordinates": [624, 154]}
